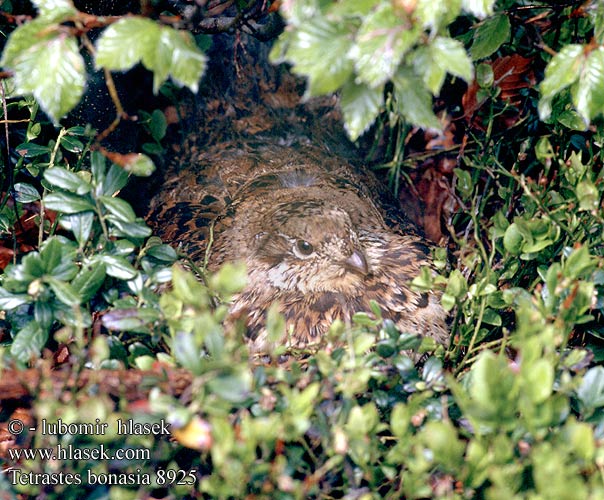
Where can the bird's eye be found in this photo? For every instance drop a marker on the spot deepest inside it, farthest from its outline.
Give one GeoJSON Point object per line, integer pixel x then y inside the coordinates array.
{"type": "Point", "coordinates": [303, 248]}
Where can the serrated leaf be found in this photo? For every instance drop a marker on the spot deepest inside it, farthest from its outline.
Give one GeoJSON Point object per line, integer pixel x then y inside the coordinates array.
{"type": "Point", "coordinates": [28, 342]}
{"type": "Point", "coordinates": [319, 50]}
{"type": "Point", "coordinates": [162, 49]}
{"type": "Point", "coordinates": [451, 56]}
{"type": "Point", "coordinates": [588, 92]}
{"type": "Point", "coordinates": [127, 42]}
{"type": "Point", "coordinates": [49, 66]}
{"type": "Point", "coordinates": [480, 8]}
{"type": "Point", "coordinates": [360, 107]}
{"type": "Point", "coordinates": [186, 63]}
{"type": "Point", "coordinates": [413, 100]}
{"type": "Point", "coordinates": [57, 10]}
{"type": "Point", "coordinates": [434, 15]}
{"type": "Point", "coordinates": [119, 208]}
{"type": "Point", "coordinates": [490, 34]}
{"type": "Point", "coordinates": [67, 203]}
{"type": "Point", "coordinates": [25, 193]}
{"type": "Point", "coordinates": [563, 70]}
{"type": "Point", "coordinates": [431, 73]}
{"type": "Point", "coordinates": [381, 43]}
{"type": "Point", "coordinates": [63, 178]}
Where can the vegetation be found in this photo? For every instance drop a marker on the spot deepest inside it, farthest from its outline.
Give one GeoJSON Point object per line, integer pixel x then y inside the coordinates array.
{"type": "Point", "coordinates": [514, 407]}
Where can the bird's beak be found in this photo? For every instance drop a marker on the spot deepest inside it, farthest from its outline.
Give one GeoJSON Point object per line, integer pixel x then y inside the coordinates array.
{"type": "Point", "coordinates": [357, 262]}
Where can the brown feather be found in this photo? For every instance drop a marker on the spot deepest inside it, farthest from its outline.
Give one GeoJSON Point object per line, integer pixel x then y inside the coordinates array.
{"type": "Point", "coordinates": [262, 200]}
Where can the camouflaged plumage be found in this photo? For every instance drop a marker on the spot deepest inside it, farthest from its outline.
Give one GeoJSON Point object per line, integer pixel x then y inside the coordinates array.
{"type": "Point", "coordinates": [314, 231]}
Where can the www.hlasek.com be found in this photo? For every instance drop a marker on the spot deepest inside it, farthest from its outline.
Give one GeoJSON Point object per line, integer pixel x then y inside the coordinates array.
{"type": "Point", "coordinates": [161, 477]}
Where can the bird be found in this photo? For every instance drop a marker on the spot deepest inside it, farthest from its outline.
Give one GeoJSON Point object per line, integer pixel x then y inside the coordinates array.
{"type": "Point", "coordinates": [319, 236]}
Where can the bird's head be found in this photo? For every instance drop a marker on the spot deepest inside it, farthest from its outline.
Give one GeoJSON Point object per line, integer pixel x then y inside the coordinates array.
{"type": "Point", "coordinates": [310, 246]}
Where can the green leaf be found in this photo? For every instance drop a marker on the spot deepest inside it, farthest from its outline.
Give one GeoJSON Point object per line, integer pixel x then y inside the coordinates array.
{"type": "Point", "coordinates": [490, 34]}
{"type": "Point", "coordinates": [63, 291]}
{"type": "Point", "coordinates": [161, 49]}
{"type": "Point", "coordinates": [588, 92]}
{"type": "Point", "coordinates": [491, 317]}
{"type": "Point", "coordinates": [381, 43]}
{"type": "Point", "coordinates": [185, 62]}
{"type": "Point", "coordinates": [432, 74]}
{"type": "Point", "coordinates": [140, 165]}
{"type": "Point", "coordinates": [28, 342]}
{"type": "Point", "coordinates": [119, 208]}
{"type": "Point", "coordinates": [158, 125]}
{"type": "Point", "coordinates": [360, 106]}
{"type": "Point", "coordinates": [63, 178]}
{"type": "Point", "coordinates": [596, 13]}
{"type": "Point", "coordinates": [56, 10]}
{"type": "Point", "coordinates": [132, 319]}
{"type": "Point", "coordinates": [118, 267]}
{"type": "Point", "coordinates": [319, 50]}
{"type": "Point", "coordinates": [451, 56]}
{"type": "Point", "coordinates": [588, 195]}
{"type": "Point", "coordinates": [25, 193]}
{"type": "Point", "coordinates": [88, 281]}
{"type": "Point", "coordinates": [480, 8]}
{"type": "Point", "coordinates": [513, 239]}
{"type": "Point", "coordinates": [187, 352]}
{"type": "Point", "coordinates": [80, 225]}
{"type": "Point", "coordinates": [98, 167]}
{"type": "Point", "coordinates": [31, 149]}
{"type": "Point", "coordinates": [441, 439]}
{"type": "Point", "coordinates": [44, 314]}
{"type": "Point", "coordinates": [115, 179]}
{"type": "Point", "coordinates": [10, 301]}
{"type": "Point", "coordinates": [49, 66]}
{"type": "Point", "coordinates": [413, 100]}
{"type": "Point", "coordinates": [72, 144]}
{"type": "Point", "coordinates": [67, 203]}
{"type": "Point", "coordinates": [400, 420]}
{"type": "Point", "coordinates": [127, 42]}
{"type": "Point", "coordinates": [230, 279]}
{"type": "Point", "coordinates": [562, 71]}
{"type": "Point", "coordinates": [493, 387]}
{"type": "Point", "coordinates": [136, 229]}
{"type": "Point", "coordinates": [591, 391]}
{"type": "Point", "coordinates": [539, 380]}
{"type": "Point", "coordinates": [164, 253]}
{"type": "Point", "coordinates": [51, 254]}
{"type": "Point", "coordinates": [436, 15]}
{"type": "Point", "coordinates": [234, 388]}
